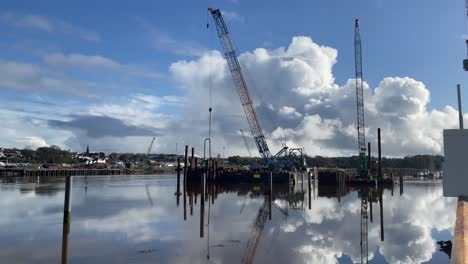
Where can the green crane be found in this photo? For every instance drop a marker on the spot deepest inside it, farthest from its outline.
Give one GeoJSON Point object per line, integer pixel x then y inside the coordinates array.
{"type": "Point", "coordinates": [363, 171]}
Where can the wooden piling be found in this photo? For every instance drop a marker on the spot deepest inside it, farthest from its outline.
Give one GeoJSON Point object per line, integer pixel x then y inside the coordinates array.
{"type": "Point", "coordinates": [380, 154]}
{"type": "Point", "coordinates": [66, 217]}
{"type": "Point", "coordinates": [202, 207]}
{"type": "Point", "coordinates": [185, 203]}
{"type": "Point", "coordinates": [401, 185]}
{"type": "Point", "coordinates": [191, 203]}
{"type": "Point", "coordinates": [310, 198]}
{"type": "Point", "coordinates": [302, 181]}
{"type": "Point", "coordinates": [185, 184]}
{"type": "Point", "coordinates": [393, 184]}
{"type": "Point", "coordinates": [192, 160]}
{"type": "Point", "coordinates": [185, 164]}
{"type": "Point", "coordinates": [213, 193]}
{"type": "Point", "coordinates": [369, 165]}
{"type": "Point", "coordinates": [381, 216]}
{"type": "Point", "coordinates": [67, 204]}
{"type": "Point", "coordinates": [178, 182]}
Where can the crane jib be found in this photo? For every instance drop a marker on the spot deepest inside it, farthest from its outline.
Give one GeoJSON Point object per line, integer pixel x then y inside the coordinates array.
{"type": "Point", "coordinates": [240, 83]}
{"type": "Point", "coordinates": [363, 170]}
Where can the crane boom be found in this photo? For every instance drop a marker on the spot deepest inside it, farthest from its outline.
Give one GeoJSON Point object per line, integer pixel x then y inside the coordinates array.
{"type": "Point", "coordinates": [240, 83]}
{"type": "Point", "coordinates": [150, 146]}
{"type": "Point", "coordinates": [246, 143]}
{"type": "Point", "coordinates": [360, 104]}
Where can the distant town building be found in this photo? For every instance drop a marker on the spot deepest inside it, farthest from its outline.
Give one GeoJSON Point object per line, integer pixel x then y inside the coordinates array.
{"type": "Point", "coordinates": [92, 157]}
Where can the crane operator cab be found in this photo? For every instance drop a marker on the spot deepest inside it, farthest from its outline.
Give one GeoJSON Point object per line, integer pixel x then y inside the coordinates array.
{"type": "Point", "coordinates": [465, 61]}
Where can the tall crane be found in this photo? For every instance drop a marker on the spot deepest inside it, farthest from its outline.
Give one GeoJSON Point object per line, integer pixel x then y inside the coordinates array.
{"type": "Point", "coordinates": [240, 83]}
{"type": "Point", "coordinates": [465, 61]}
{"type": "Point", "coordinates": [150, 146]}
{"type": "Point", "coordinates": [363, 173]}
{"type": "Point", "coordinates": [246, 143]}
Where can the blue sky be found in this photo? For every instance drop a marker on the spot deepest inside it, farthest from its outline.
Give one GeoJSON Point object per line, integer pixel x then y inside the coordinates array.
{"type": "Point", "coordinates": [420, 39]}
{"type": "Point", "coordinates": [108, 51]}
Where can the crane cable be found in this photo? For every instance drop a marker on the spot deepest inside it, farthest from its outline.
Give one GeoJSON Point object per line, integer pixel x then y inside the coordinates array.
{"type": "Point", "coordinates": [210, 85]}
{"type": "Point", "coordinates": [210, 40]}
{"type": "Point", "coordinates": [466, 14]}
{"type": "Point", "coordinates": [466, 34]}
{"type": "Point", "coordinates": [259, 96]}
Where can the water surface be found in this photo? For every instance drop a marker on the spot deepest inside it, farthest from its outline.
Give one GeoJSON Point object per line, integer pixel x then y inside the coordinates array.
{"type": "Point", "coordinates": [136, 219]}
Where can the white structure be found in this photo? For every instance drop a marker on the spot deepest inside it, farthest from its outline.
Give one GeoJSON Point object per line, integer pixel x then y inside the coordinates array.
{"type": "Point", "coordinates": [456, 162]}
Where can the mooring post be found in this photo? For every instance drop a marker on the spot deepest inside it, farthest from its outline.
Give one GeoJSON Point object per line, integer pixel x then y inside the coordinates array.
{"type": "Point", "coordinates": [401, 185]}
{"type": "Point", "coordinates": [207, 169]}
{"type": "Point", "coordinates": [185, 198]}
{"type": "Point", "coordinates": [66, 217]}
{"type": "Point", "coordinates": [460, 112]}
{"type": "Point", "coordinates": [191, 202]}
{"type": "Point", "coordinates": [213, 193]}
{"type": "Point", "coordinates": [213, 171]}
{"type": "Point", "coordinates": [202, 206]}
{"type": "Point", "coordinates": [393, 183]}
{"type": "Point", "coordinates": [380, 154]}
{"type": "Point", "coordinates": [369, 167]}
{"type": "Point", "coordinates": [302, 181]}
{"type": "Point", "coordinates": [185, 164]}
{"type": "Point", "coordinates": [67, 204]}
{"type": "Point", "coordinates": [192, 161]}
{"type": "Point", "coordinates": [178, 181]}
{"type": "Point", "coordinates": [310, 196]}
{"type": "Point", "coordinates": [381, 216]}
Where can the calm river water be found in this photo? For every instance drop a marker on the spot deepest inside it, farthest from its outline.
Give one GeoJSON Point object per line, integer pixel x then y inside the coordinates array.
{"type": "Point", "coordinates": [137, 219]}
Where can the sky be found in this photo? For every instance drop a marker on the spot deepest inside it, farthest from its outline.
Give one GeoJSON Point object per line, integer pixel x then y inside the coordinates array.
{"type": "Point", "coordinates": [113, 74]}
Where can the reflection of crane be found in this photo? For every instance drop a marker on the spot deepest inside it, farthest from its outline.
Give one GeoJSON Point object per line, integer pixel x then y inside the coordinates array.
{"type": "Point", "coordinates": [364, 228]}
{"type": "Point", "coordinates": [241, 85]}
{"type": "Point", "coordinates": [256, 234]}
{"type": "Point", "coordinates": [149, 195]}
{"type": "Point", "coordinates": [360, 103]}
{"type": "Point", "coordinates": [246, 144]}
{"type": "Point", "coordinates": [257, 230]}
{"type": "Point", "coordinates": [150, 146]}
{"type": "Point", "coordinates": [283, 221]}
